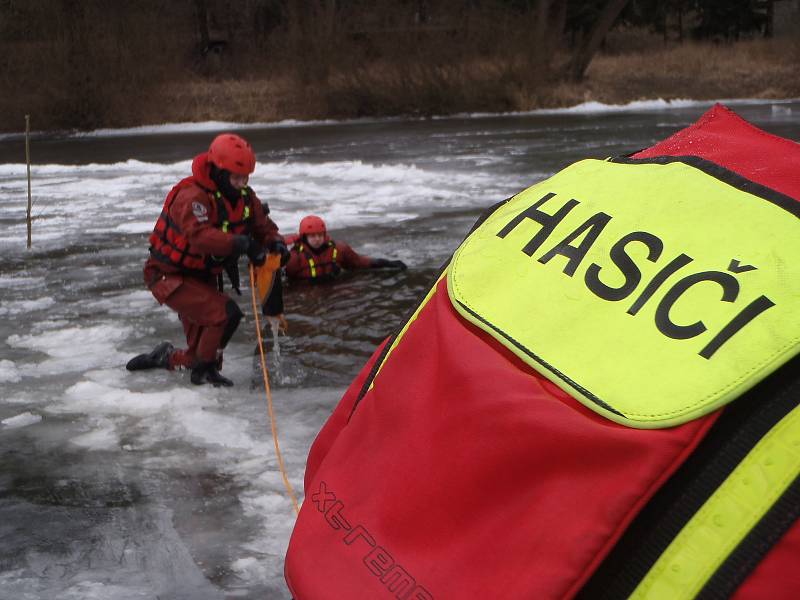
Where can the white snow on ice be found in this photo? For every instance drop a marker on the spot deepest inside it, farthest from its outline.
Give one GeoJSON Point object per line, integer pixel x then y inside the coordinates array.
{"type": "Point", "coordinates": [21, 420]}
{"type": "Point", "coordinates": [9, 373]}
{"type": "Point", "coordinates": [24, 306]}
{"type": "Point", "coordinates": [72, 348]}
{"type": "Point", "coordinates": [126, 197]}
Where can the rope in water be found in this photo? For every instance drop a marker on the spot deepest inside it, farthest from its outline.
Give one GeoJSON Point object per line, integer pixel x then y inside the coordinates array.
{"type": "Point", "coordinates": [265, 374]}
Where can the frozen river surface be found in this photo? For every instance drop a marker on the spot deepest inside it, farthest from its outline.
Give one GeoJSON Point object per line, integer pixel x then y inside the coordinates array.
{"type": "Point", "coordinates": [117, 485]}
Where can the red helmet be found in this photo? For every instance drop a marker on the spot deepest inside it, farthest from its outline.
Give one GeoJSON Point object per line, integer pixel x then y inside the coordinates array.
{"type": "Point", "coordinates": [230, 152]}
{"type": "Point", "coordinates": [312, 224]}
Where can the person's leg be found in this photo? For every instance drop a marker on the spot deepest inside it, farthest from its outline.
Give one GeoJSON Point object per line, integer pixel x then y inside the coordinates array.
{"type": "Point", "coordinates": [209, 319]}
{"type": "Point", "coordinates": [185, 358]}
{"type": "Point", "coordinates": [208, 371]}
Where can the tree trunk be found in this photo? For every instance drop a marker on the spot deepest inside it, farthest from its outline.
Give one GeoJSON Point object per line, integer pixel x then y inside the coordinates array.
{"type": "Point", "coordinates": [201, 12]}
{"type": "Point", "coordinates": [558, 21]}
{"type": "Point", "coordinates": [542, 18]}
{"type": "Point", "coordinates": [541, 51]}
{"type": "Point", "coordinates": [769, 25]}
{"type": "Point", "coordinates": [583, 54]}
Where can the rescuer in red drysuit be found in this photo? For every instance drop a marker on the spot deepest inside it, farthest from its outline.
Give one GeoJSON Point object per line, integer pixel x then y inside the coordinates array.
{"type": "Point", "coordinates": [316, 257]}
{"type": "Point", "coordinates": [209, 219]}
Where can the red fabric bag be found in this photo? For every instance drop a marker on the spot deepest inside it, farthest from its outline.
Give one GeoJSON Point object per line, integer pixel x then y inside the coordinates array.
{"type": "Point", "coordinates": [458, 471]}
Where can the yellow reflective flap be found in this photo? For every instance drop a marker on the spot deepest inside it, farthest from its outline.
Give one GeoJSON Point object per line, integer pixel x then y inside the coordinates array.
{"type": "Point", "coordinates": [653, 293]}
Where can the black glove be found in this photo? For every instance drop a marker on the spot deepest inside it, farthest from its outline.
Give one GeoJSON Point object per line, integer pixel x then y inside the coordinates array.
{"type": "Point", "coordinates": [278, 247]}
{"type": "Point", "coordinates": [398, 264]}
{"type": "Point", "coordinates": [256, 253]}
{"type": "Point", "coordinates": [389, 264]}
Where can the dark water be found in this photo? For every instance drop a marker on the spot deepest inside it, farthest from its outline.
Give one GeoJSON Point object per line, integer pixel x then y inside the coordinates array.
{"type": "Point", "coordinates": [118, 485]}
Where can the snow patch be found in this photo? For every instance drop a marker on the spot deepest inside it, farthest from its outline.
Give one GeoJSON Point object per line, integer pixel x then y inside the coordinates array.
{"type": "Point", "coordinates": [14, 281]}
{"type": "Point", "coordinates": [135, 227]}
{"type": "Point", "coordinates": [593, 107]}
{"type": "Point", "coordinates": [74, 348]}
{"type": "Point", "coordinates": [21, 420]}
{"type": "Point", "coordinates": [92, 397]}
{"type": "Point", "coordinates": [214, 428]}
{"type": "Point", "coordinates": [251, 568]}
{"type": "Point", "coordinates": [102, 437]}
{"type": "Point", "coordinates": [139, 302]}
{"type": "Point", "coordinates": [24, 306]}
{"type": "Point", "coordinates": [9, 372]}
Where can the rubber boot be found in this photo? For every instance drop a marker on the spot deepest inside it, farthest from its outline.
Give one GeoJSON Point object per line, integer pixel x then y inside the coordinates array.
{"type": "Point", "coordinates": [208, 373]}
{"type": "Point", "coordinates": [157, 359]}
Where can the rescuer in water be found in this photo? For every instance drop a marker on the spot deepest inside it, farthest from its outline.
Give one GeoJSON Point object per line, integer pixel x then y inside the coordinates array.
{"type": "Point", "coordinates": [315, 256]}
{"type": "Point", "coordinates": [208, 221]}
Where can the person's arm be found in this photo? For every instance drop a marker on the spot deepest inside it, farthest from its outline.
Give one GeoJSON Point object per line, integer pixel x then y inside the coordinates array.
{"type": "Point", "coordinates": [385, 263]}
{"type": "Point", "coordinates": [350, 259]}
{"type": "Point", "coordinates": [265, 230]}
{"type": "Point", "coordinates": [294, 266]}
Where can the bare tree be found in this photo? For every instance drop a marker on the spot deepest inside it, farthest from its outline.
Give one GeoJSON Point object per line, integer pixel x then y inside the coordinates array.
{"type": "Point", "coordinates": [583, 54]}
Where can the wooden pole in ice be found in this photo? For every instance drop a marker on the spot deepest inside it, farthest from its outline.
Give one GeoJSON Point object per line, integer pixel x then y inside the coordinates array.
{"type": "Point", "coordinates": [28, 161]}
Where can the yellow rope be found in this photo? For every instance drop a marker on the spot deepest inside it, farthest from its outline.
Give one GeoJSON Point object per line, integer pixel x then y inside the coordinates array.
{"type": "Point", "coordinates": [265, 374]}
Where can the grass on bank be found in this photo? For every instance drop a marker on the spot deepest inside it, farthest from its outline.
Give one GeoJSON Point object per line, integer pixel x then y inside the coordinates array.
{"type": "Point", "coordinates": [751, 69]}
{"type": "Point", "coordinates": [416, 82]}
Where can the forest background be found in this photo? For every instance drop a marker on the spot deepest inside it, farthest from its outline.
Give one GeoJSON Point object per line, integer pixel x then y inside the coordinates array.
{"type": "Point", "coordinates": [87, 64]}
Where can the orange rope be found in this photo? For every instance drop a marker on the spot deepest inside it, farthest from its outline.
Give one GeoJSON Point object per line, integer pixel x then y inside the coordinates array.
{"type": "Point", "coordinates": [265, 374]}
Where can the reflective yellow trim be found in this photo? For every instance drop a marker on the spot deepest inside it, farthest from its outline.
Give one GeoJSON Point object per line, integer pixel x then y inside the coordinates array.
{"type": "Point", "coordinates": [225, 226]}
{"type": "Point", "coordinates": [727, 517]}
{"type": "Point", "coordinates": [246, 213]}
{"type": "Point", "coordinates": [652, 293]}
{"type": "Point", "coordinates": [313, 267]}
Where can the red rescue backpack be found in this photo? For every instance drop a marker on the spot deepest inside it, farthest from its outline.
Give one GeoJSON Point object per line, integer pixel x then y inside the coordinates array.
{"type": "Point", "coordinates": [598, 398]}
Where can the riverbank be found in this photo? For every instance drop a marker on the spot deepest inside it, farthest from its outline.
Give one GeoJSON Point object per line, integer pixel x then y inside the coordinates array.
{"type": "Point", "coordinates": [624, 72]}
{"type": "Point", "coordinates": [700, 71]}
